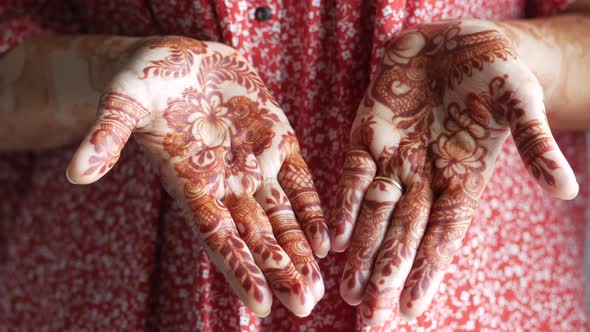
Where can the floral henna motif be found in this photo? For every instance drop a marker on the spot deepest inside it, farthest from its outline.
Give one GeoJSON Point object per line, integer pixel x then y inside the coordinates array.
{"type": "Point", "coordinates": [120, 115]}
{"type": "Point", "coordinates": [180, 59]}
{"type": "Point", "coordinates": [216, 138]}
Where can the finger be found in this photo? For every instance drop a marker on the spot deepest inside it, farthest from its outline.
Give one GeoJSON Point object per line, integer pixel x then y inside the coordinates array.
{"type": "Point", "coordinates": [396, 254]}
{"type": "Point", "coordinates": [449, 220]}
{"type": "Point", "coordinates": [289, 235]}
{"type": "Point", "coordinates": [534, 141]}
{"type": "Point", "coordinates": [118, 115]}
{"type": "Point", "coordinates": [358, 171]}
{"type": "Point", "coordinates": [254, 227]}
{"type": "Point", "coordinates": [214, 226]}
{"type": "Point", "coordinates": [296, 181]}
{"type": "Point", "coordinates": [368, 235]}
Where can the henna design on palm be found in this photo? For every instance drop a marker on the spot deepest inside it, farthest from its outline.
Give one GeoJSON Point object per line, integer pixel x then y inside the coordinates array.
{"type": "Point", "coordinates": [227, 154]}
{"type": "Point", "coordinates": [443, 102]}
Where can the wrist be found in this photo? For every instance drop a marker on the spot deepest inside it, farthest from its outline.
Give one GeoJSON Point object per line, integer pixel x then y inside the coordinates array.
{"type": "Point", "coordinates": [556, 51]}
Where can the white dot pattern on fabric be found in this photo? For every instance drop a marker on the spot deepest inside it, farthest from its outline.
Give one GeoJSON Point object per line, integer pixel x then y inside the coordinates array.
{"type": "Point", "coordinates": [117, 255]}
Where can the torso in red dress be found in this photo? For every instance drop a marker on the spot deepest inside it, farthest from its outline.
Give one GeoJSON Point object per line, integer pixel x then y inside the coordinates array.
{"type": "Point", "coordinates": [117, 255]}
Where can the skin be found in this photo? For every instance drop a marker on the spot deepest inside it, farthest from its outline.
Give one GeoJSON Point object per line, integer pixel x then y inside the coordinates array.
{"type": "Point", "coordinates": [224, 149]}
{"type": "Point", "coordinates": [443, 102]}
{"type": "Point", "coordinates": [227, 154]}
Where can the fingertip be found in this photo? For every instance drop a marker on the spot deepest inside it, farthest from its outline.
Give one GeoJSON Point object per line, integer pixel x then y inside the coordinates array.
{"type": "Point", "coordinates": [80, 172]}
{"type": "Point", "coordinates": [407, 317]}
{"type": "Point", "coordinates": [323, 247]}
{"type": "Point", "coordinates": [321, 254]}
{"type": "Point", "coordinates": [410, 309]}
{"type": "Point", "coordinates": [340, 241]}
{"type": "Point", "coordinates": [352, 296]}
{"type": "Point", "coordinates": [572, 193]}
{"type": "Point", "coordinates": [562, 185]}
{"type": "Point", "coordinates": [77, 171]}
{"type": "Point", "coordinates": [262, 314]}
{"type": "Point", "coordinates": [319, 291]}
{"type": "Point", "coordinates": [374, 317]}
{"type": "Point", "coordinates": [259, 307]}
{"type": "Point", "coordinates": [69, 177]}
{"type": "Point", "coordinates": [303, 308]}
{"type": "Point", "coordinates": [340, 246]}
{"type": "Point", "coordinates": [303, 314]}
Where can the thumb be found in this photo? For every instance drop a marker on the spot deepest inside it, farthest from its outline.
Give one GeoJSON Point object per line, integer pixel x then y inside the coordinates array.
{"type": "Point", "coordinates": [538, 149]}
{"type": "Point", "coordinates": [118, 115]}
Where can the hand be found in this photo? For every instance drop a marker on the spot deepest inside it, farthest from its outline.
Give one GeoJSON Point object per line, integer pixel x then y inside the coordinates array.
{"type": "Point", "coordinates": [227, 154]}
{"type": "Point", "coordinates": [434, 120]}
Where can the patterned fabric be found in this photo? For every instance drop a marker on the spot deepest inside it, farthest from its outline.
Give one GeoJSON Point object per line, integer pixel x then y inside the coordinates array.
{"type": "Point", "coordinates": [116, 255]}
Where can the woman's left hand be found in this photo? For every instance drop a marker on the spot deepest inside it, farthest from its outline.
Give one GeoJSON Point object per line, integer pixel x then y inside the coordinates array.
{"type": "Point", "coordinates": [423, 147]}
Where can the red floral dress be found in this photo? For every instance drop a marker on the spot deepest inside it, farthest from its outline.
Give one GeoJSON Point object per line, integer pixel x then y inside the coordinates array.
{"type": "Point", "coordinates": [116, 255]}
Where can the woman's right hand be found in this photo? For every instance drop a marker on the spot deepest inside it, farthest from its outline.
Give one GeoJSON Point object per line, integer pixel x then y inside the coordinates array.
{"type": "Point", "coordinates": [226, 152]}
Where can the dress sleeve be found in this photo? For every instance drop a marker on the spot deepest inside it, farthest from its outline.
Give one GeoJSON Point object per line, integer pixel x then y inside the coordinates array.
{"type": "Point", "coordinates": [540, 8]}
{"type": "Point", "coordinates": [21, 19]}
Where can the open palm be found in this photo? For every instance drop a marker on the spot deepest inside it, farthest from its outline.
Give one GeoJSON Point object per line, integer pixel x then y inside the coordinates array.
{"type": "Point", "coordinates": [442, 104]}
{"type": "Point", "coordinates": [227, 154]}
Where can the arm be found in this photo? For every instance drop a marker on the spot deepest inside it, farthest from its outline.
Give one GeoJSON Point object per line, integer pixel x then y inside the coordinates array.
{"type": "Point", "coordinates": [49, 87]}
{"type": "Point", "coordinates": [557, 50]}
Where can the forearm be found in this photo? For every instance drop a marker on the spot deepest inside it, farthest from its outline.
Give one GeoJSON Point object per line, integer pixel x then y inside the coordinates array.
{"type": "Point", "coordinates": [558, 51]}
{"type": "Point", "coordinates": [49, 87]}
